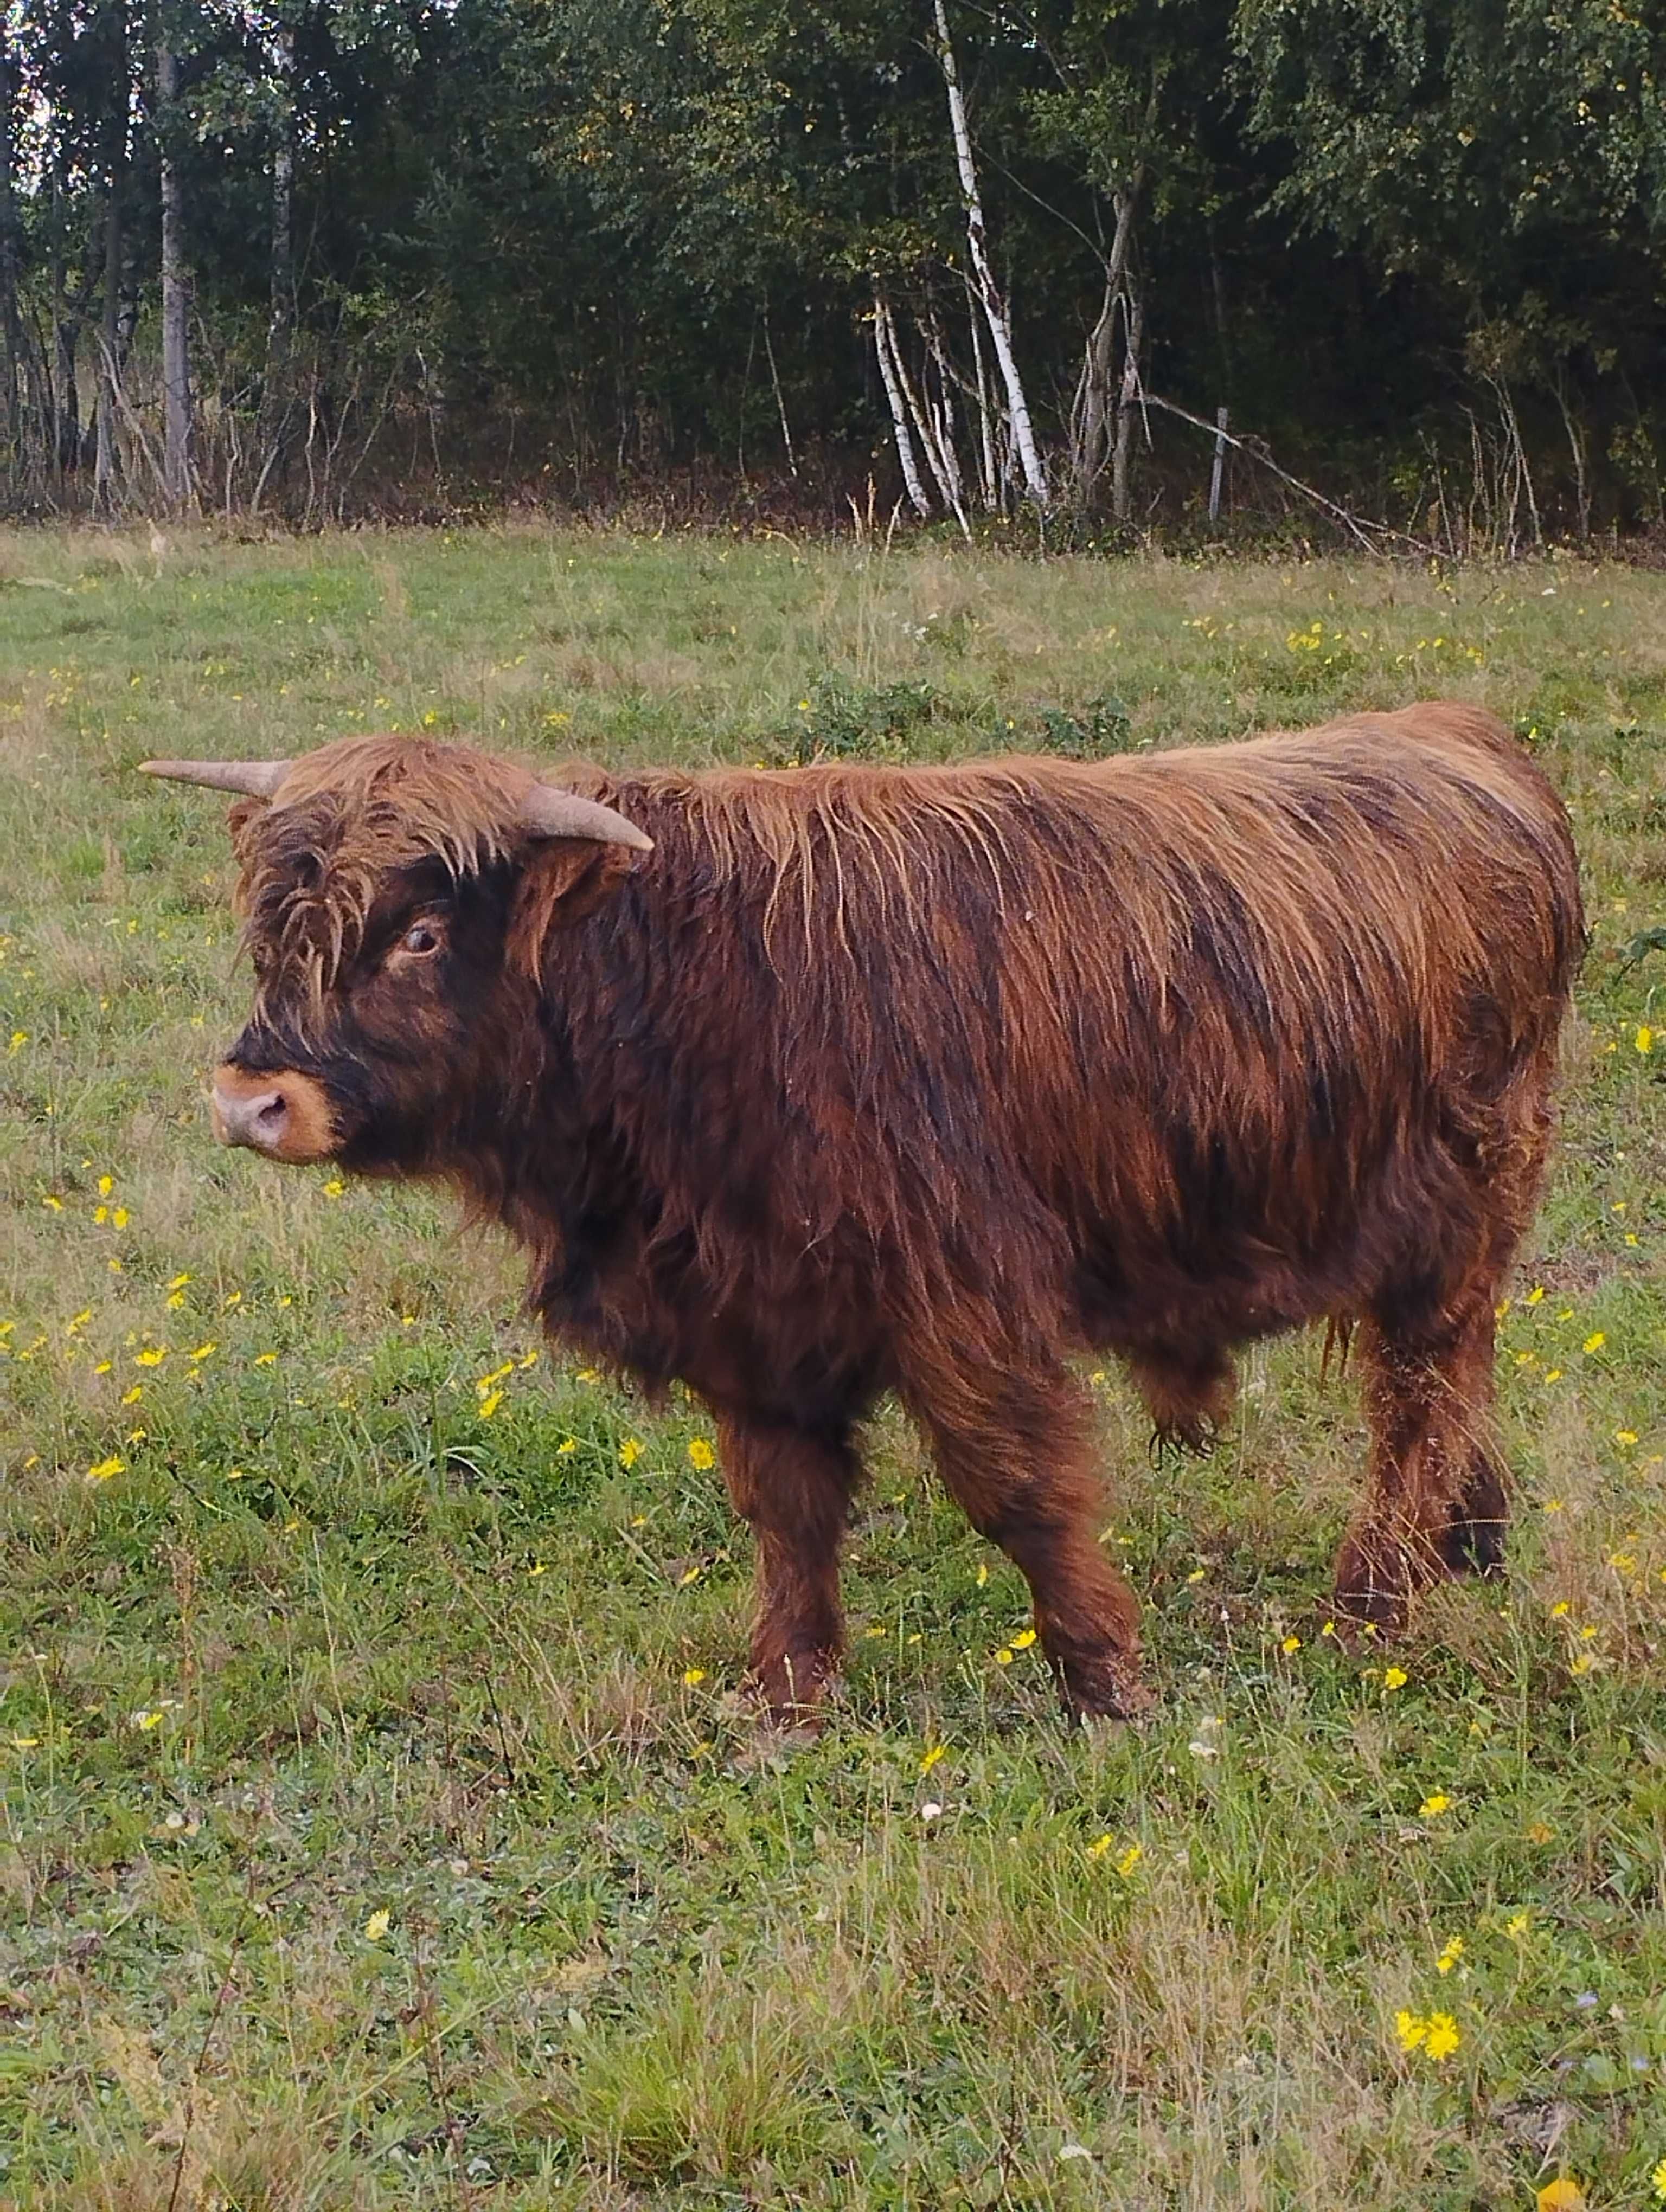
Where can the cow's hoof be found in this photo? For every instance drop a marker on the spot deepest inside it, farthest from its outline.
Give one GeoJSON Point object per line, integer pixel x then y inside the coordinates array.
{"type": "Point", "coordinates": [1106, 1686]}
{"type": "Point", "coordinates": [1474, 1548]}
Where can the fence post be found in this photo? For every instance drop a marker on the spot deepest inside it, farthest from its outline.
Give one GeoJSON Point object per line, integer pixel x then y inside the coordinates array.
{"type": "Point", "coordinates": [1220, 464]}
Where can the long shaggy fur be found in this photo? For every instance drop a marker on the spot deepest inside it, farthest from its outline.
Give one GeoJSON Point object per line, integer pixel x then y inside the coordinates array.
{"type": "Point", "coordinates": [923, 1079]}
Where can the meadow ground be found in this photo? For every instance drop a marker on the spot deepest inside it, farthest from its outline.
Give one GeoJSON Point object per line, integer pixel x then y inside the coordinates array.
{"type": "Point", "coordinates": [383, 1824]}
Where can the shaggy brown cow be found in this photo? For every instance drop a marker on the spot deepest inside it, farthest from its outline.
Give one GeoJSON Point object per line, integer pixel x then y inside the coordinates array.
{"type": "Point", "coordinates": [805, 1086]}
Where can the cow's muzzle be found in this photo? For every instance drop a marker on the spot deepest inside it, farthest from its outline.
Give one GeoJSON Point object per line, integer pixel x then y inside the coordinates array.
{"type": "Point", "coordinates": [285, 1114]}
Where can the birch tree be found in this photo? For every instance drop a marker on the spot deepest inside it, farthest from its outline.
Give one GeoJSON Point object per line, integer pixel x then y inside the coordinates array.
{"type": "Point", "coordinates": [175, 273]}
{"type": "Point", "coordinates": [988, 291]}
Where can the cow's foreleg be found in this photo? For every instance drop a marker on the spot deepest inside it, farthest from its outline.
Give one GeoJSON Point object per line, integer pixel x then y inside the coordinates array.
{"type": "Point", "coordinates": [794, 1486]}
{"type": "Point", "coordinates": [1017, 1454]}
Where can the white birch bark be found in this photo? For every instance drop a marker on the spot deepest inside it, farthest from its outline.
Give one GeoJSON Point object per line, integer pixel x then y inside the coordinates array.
{"type": "Point", "coordinates": [989, 292]}
{"type": "Point", "coordinates": [176, 282]}
{"type": "Point", "coordinates": [883, 344]}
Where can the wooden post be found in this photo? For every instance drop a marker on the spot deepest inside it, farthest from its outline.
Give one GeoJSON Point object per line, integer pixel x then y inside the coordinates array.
{"type": "Point", "coordinates": [1220, 464]}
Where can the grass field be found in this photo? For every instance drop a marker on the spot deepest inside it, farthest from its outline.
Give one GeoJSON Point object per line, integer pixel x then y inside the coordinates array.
{"type": "Point", "coordinates": [384, 1827]}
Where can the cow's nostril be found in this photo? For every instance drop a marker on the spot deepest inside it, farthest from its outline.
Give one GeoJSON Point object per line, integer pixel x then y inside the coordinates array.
{"type": "Point", "coordinates": [257, 1118]}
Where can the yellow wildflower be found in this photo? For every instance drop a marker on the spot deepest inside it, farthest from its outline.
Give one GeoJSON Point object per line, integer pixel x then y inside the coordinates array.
{"type": "Point", "coordinates": [1129, 1860]}
{"type": "Point", "coordinates": [691, 1675]}
{"type": "Point", "coordinates": [1395, 1678]}
{"type": "Point", "coordinates": [377, 1926]}
{"type": "Point", "coordinates": [1562, 2195]}
{"type": "Point", "coordinates": [1625, 1436]}
{"type": "Point", "coordinates": [983, 1574]}
{"type": "Point", "coordinates": [1442, 2037]}
{"type": "Point", "coordinates": [1449, 1957]}
{"type": "Point", "coordinates": [179, 1282]}
{"type": "Point", "coordinates": [701, 1454]}
{"type": "Point", "coordinates": [1023, 1639]}
{"type": "Point", "coordinates": [1004, 1656]}
{"type": "Point", "coordinates": [1433, 1807]}
{"type": "Point", "coordinates": [489, 1404]}
{"type": "Point", "coordinates": [133, 1397]}
{"type": "Point", "coordinates": [1291, 1643]}
{"type": "Point", "coordinates": [1098, 1847]}
{"type": "Point", "coordinates": [1657, 2181]}
{"type": "Point", "coordinates": [1596, 1340]}
{"type": "Point", "coordinates": [629, 1452]}
{"type": "Point", "coordinates": [1535, 1296]}
{"type": "Point", "coordinates": [934, 1756]}
{"type": "Point", "coordinates": [567, 1446]}
{"type": "Point", "coordinates": [101, 1470]}
{"type": "Point", "coordinates": [1562, 1608]}
{"type": "Point", "coordinates": [1646, 1038]}
{"type": "Point", "coordinates": [1412, 2028]}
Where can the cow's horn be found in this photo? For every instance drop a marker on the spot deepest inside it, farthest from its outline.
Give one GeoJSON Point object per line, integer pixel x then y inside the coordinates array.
{"type": "Point", "coordinates": [259, 779]}
{"type": "Point", "coordinates": [548, 812]}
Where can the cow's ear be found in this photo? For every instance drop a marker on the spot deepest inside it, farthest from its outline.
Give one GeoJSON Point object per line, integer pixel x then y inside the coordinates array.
{"type": "Point", "coordinates": [561, 879]}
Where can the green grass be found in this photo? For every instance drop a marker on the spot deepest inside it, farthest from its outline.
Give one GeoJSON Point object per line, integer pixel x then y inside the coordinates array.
{"type": "Point", "coordinates": [324, 1644]}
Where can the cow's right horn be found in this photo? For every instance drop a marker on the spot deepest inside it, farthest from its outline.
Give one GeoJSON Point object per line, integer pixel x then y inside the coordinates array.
{"type": "Point", "coordinates": [549, 812]}
{"type": "Point", "coordinates": [256, 779]}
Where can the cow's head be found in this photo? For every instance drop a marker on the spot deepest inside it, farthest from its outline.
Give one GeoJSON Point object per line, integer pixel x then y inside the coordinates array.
{"type": "Point", "coordinates": [397, 897]}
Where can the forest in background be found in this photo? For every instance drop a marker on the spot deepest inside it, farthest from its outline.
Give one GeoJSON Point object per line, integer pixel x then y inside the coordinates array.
{"type": "Point", "coordinates": [326, 259]}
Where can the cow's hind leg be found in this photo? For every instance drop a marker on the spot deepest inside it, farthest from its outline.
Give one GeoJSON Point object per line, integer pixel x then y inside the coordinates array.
{"type": "Point", "coordinates": [794, 1486]}
{"type": "Point", "coordinates": [1436, 1504]}
{"type": "Point", "coordinates": [1017, 1453]}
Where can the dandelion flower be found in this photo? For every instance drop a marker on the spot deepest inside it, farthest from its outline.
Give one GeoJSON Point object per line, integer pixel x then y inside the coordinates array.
{"type": "Point", "coordinates": [489, 1404]}
{"type": "Point", "coordinates": [1411, 2028]}
{"type": "Point", "coordinates": [204, 1350]}
{"type": "Point", "coordinates": [691, 1675]}
{"type": "Point", "coordinates": [1023, 1639]}
{"type": "Point", "coordinates": [1449, 1957]}
{"type": "Point", "coordinates": [1129, 1860]}
{"type": "Point", "coordinates": [567, 1446]}
{"type": "Point", "coordinates": [133, 1397]}
{"type": "Point", "coordinates": [1560, 1610]}
{"type": "Point", "coordinates": [101, 1470]}
{"type": "Point", "coordinates": [1004, 1656]}
{"type": "Point", "coordinates": [1625, 1436]}
{"type": "Point", "coordinates": [1562, 2195]}
{"type": "Point", "coordinates": [1098, 1847]}
{"type": "Point", "coordinates": [1596, 1340]}
{"type": "Point", "coordinates": [691, 1575]}
{"type": "Point", "coordinates": [1442, 2037]}
{"type": "Point", "coordinates": [1395, 1678]}
{"type": "Point", "coordinates": [1433, 1807]}
{"type": "Point", "coordinates": [1657, 2181]}
{"type": "Point", "coordinates": [1645, 1039]}
{"type": "Point", "coordinates": [1535, 1296]}
{"type": "Point", "coordinates": [934, 1756]}
{"type": "Point", "coordinates": [1291, 1643]}
{"type": "Point", "coordinates": [983, 1574]}
{"type": "Point", "coordinates": [629, 1452]}
{"type": "Point", "coordinates": [377, 1926]}
{"type": "Point", "coordinates": [701, 1455]}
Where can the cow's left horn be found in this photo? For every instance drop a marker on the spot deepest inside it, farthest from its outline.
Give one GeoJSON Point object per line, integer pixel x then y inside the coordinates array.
{"type": "Point", "coordinates": [256, 779]}
{"type": "Point", "coordinates": [548, 812]}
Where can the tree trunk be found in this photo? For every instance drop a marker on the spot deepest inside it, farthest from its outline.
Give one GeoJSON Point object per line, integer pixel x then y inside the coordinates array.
{"type": "Point", "coordinates": [104, 487]}
{"type": "Point", "coordinates": [12, 371]}
{"type": "Point", "coordinates": [1091, 416]}
{"type": "Point", "coordinates": [884, 344]}
{"type": "Point", "coordinates": [1128, 406]}
{"type": "Point", "coordinates": [176, 278]}
{"type": "Point", "coordinates": [989, 292]}
{"type": "Point", "coordinates": [281, 320]}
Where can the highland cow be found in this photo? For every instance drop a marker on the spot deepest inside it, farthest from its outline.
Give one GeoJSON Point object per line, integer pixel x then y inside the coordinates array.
{"type": "Point", "coordinates": [803, 1086]}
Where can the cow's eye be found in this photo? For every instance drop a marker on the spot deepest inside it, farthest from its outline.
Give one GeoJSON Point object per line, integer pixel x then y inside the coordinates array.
{"type": "Point", "coordinates": [421, 938]}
